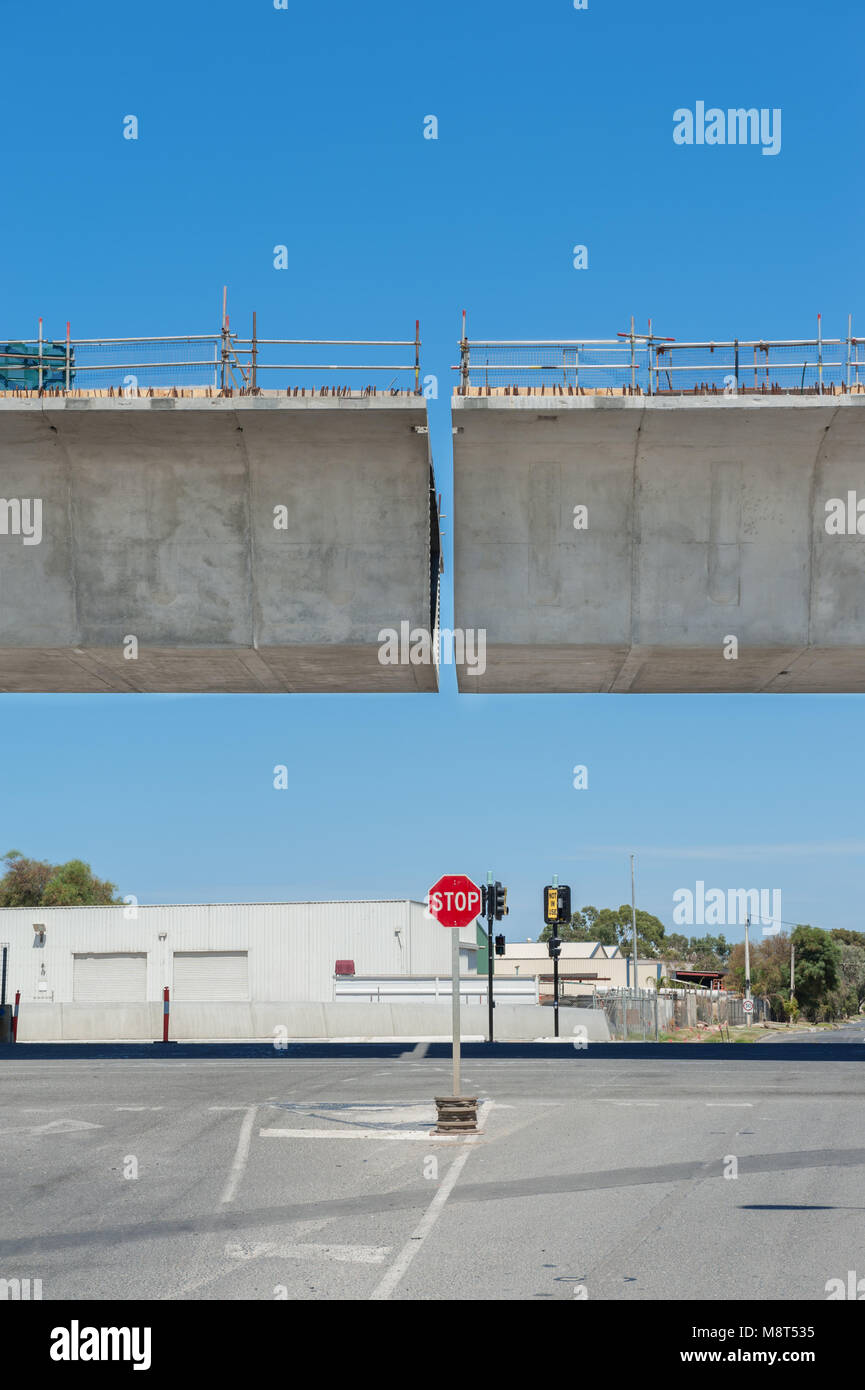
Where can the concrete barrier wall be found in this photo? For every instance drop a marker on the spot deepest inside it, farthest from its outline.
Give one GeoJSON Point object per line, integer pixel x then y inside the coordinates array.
{"type": "Point", "coordinates": [706, 519]}
{"type": "Point", "coordinates": [266, 1022]}
{"type": "Point", "coordinates": [159, 522]}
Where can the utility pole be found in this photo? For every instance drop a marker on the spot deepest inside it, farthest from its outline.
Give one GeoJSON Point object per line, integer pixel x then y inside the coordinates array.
{"type": "Point", "coordinates": [634, 923]}
{"type": "Point", "coordinates": [747, 964]}
{"type": "Point", "coordinates": [792, 973]}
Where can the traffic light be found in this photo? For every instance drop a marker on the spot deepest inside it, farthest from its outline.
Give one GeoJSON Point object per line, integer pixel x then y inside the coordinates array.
{"type": "Point", "coordinates": [501, 902]}
{"type": "Point", "coordinates": [483, 911]}
{"type": "Point", "coordinates": [554, 947]}
{"type": "Point", "coordinates": [500, 945]}
{"type": "Point", "coordinates": [557, 904]}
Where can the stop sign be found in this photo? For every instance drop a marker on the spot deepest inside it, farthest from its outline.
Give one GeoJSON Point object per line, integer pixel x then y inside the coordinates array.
{"type": "Point", "coordinates": [454, 900]}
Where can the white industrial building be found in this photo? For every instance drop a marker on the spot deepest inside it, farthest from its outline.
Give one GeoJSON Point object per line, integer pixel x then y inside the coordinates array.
{"type": "Point", "coordinates": [252, 971]}
{"type": "Point", "coordinates": [229, 952]}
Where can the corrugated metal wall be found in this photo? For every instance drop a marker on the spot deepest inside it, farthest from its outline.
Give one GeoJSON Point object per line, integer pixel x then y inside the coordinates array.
{"type": "Point", "coordinates": [292, 946]}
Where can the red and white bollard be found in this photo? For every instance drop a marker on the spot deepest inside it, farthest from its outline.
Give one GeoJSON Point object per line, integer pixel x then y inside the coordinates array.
{"type": "Point", "coordinates": [165, 1019]}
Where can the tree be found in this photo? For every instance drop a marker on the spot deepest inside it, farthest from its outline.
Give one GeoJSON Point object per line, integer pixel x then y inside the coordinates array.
{"type": "Point", "coordinates": [735, 979]}
{"type": "Point", "coordinates": [770, 972]}
{"type": "Point", "coordinates": [675, 946]}
{"type": "Point", "coordinates": [818, 969]}
{"type": "Point", "coordinates": [34, 883]}
{"type": "Point", "coordinates": [587, 925]}
{"type": "Point", "coordinates": [847, 937]}
{"type": "Point", "coordinates": [709, 952]}
{"type": "Point", "coordinates": [24, 881]}
{"type": "Point", "coordinates": [853, 972]}
{"type": "Point", "coordinates": [613, 927]}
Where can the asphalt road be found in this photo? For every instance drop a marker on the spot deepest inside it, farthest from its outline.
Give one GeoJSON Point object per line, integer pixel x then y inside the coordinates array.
{"type": "Point", "coordinates": [850, 1033]}
{"type": "Point", "coordinates": [316, 1179]}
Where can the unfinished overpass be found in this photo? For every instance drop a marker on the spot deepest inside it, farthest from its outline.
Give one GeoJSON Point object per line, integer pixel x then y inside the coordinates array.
{"type": "Point", "coordinates": [648, 516]}
{"type": "Point", "coordinates": [217, 536]}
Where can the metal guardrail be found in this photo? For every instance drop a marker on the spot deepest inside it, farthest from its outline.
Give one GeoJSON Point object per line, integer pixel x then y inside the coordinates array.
{"type": "Point", "coordinates": [422, 988]}
{"type": "Point", "coordinates": [646, 364]}
{"type": "Point", "coordinates": [223, 362]}
{"type": "Point", "coordinates": [629, 364]}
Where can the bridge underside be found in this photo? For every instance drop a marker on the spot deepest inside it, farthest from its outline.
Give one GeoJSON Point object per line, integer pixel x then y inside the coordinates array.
{"type": "Point", "coordinates": [702, 562]}
{"type": "Point", "coordinates": [222, 545]}
{"type": "Point", "coordinates": [561, 670]}
{"type": "Point", "coordinates": [210, 670]}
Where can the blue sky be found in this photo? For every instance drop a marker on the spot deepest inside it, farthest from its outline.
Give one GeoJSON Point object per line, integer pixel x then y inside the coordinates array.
{"type": "Point", "coordinates": [304, 127]}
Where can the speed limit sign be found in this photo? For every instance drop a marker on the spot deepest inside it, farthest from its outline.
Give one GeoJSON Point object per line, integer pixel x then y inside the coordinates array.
{"type": "Point", "coordinates": [748, 1006]}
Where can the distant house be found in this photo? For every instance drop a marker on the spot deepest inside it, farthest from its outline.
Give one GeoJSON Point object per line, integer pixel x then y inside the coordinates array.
{"type": "Point", "coordinates": [701, 979]}
{"type": "Point", "coordinates": [584, 966]}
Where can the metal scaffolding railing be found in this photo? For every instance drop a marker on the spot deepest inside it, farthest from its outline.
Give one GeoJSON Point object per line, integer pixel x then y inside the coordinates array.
{"type": "Point", "coordinates": [223, 363]}
{"type": "Point", "coordinates": [645, 364]}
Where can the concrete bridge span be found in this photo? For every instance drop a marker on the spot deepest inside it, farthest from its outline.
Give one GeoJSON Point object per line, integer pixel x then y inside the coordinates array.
{"type": "Point", "coordinates": [207, 543]}
{"type": "Point", "coordinates": [709, 557]}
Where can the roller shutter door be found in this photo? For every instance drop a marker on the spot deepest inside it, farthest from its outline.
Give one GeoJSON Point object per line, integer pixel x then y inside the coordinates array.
{"type": "Point", "coordinates": [200, 976]}
{"type": "Point", "coordinates": [109, 977]}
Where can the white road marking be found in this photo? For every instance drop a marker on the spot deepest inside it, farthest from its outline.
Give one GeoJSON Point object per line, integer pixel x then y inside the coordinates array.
{"type": "Point", "coordinates": [346, 1254]}
{"type": "Point", "coordinates": [410, 1134]}
{"type": "Point", "coordinates": [241, 1155]}
{"type": "Point", "coordinates": [349, 1107]}
{"type": "Point", "coordinates": [609, 1101]}
{"type": "Point", "coordinates": [64, 1127]}
{"type": "Point", "coordinates": [386, 1286]}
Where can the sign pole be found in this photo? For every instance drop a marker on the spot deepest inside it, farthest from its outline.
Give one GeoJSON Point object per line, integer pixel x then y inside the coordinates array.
{"type": "Point", "coordinates": [490, 917]}
{"type": "Point", "coordinates": [455, 902]}
{"type": "Point", "coordinates": [455, 999]}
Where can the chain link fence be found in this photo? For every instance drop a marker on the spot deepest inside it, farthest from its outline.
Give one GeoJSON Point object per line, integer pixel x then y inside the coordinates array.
{"type": "Point", "coordinates": [643, 1015]}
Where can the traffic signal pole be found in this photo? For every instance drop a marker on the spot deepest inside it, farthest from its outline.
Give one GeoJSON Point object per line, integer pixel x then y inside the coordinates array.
{"type": "Point", "coordinates": [491, 908]}
{"type": "Point", "coordinates": [555, 976]}
{"type": "Point", "coordinates": [557, 909]}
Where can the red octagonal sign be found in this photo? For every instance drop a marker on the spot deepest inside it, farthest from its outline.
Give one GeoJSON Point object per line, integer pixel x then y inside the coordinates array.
{"type": "Point", "coordinates": [454, 900]}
